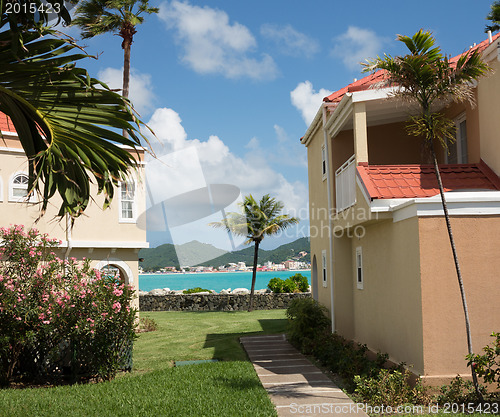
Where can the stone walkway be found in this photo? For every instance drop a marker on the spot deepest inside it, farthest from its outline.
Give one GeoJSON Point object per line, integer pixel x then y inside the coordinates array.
{"type": "Point", "coordinates": [295, 385]}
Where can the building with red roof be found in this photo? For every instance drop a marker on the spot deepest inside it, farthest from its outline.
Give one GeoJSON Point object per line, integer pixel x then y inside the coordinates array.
{"type": "Point", "coordinates": [381, 258]}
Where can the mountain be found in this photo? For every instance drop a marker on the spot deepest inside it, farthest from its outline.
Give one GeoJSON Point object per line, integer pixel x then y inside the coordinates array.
{"type": "Point", "coordinates": [165, 255]}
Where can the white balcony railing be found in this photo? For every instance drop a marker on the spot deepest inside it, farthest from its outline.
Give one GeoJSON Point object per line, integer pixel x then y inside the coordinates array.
{"type": "Point", "coordinates": [345, 184]}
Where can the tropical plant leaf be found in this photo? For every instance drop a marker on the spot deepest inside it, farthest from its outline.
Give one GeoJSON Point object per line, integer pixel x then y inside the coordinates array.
{"type": "Point", "coordinates": [65, 119]}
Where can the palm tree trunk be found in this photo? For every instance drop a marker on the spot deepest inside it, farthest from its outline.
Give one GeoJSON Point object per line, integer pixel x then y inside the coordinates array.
{"type": "Point", "coordinates": [254, 274]}
{"type": "Point", "coordinates": [126, 44]}
{"type": "Point", "coordinates": [457, 267]}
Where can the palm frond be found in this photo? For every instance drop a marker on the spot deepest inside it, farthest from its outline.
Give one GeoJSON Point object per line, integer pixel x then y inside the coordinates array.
{"type": "Point", "coordinates": [63, 119]}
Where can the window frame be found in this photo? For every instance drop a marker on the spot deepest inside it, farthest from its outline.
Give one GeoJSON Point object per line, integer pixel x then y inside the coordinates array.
{"type": "Point", "coordinates": [323, 162]}
{"type": "Point", "coordinates": [121, 218]}
{"type": "Point", "coordinates": [360, 276]}
{"type": "Point", "coordinates": [20, 199]}
{"type": "Point", "coordinates": [324, 270]}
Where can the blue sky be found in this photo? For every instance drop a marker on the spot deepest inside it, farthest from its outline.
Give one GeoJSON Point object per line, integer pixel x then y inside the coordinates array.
{"type": "Point", "coordinates": [239, 82]}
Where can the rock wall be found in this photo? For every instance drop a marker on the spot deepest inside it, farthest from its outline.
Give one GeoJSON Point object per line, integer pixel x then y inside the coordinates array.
{"type": "Point", "coordinates": [215, 302]}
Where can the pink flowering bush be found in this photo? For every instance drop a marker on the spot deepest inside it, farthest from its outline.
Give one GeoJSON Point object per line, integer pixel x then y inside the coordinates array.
{"type": "Point", "coordinates": [58, 318]}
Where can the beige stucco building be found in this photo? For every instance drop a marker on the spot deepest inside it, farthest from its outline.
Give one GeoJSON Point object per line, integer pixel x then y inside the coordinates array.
{"type": "Point", "coordinates": [108, 237]}
{"type": "Point", "coordinates": [380, 254]}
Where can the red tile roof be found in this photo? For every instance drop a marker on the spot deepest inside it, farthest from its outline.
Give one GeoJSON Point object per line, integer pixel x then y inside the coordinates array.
{"type": "Point", "coordinates": [379, 76]}
{"type": "Point", "coordinates": [6, 124]}
{"type": "Point", "coordinates": [416, 181]}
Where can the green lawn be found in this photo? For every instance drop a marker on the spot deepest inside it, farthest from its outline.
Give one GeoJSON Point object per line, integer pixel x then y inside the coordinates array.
{"type": "Point", "coordinates": [155, 388]}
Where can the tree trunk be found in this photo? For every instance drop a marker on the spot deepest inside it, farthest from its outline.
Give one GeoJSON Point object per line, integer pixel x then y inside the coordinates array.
{"type": "Point", "coordinates": [126, 44]}
{"type": "Point", "coordinates": [457, 267]}
{"type": "Point", "coordinates": [254, 273]}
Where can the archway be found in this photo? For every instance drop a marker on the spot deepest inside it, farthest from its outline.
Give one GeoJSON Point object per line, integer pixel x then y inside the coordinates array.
{"type": "Point", "coordinates": [314, 278]}
{"type": "Point", "coordinates": [125, 273]}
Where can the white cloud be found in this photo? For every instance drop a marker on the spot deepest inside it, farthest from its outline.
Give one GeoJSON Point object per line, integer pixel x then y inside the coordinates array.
{"type": "Point", "coordinates": [356, 45]}
{"type": "Point", "coordinates": [141, 88]}
{"type": "Point", "coordinates": [290, 41]}
{"type": "Point", "coordinates": [307, 100]}
{"type": "Point", "coordinates": [214, 45]}
{"type": "Point", "coordinates": [211, 162]}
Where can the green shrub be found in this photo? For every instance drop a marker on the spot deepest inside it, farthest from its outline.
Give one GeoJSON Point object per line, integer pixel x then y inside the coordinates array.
{"type": "Point", "coordinates": [196, 289]}
{"type": "Point", "coordinates": [290, 286]}
{"type": "Point", "coordinates": [487, 365]}
{"type": "Point", "coordinates": [301, 281]}
{"type": "Point", "coordinates": [459, 392]}
{"type": "Point", "coordinates": [276, 285]}
{"type": "Point", "coordinates": [306, 318]}
{"type": "Point", "coordinates": [147, 324]}
{"type": "Point", "coordinates": [295, 283]}
{"type": "Point", "coordinates": [58, 316]}
{"type": "Point", "coordinates": [389, 388]}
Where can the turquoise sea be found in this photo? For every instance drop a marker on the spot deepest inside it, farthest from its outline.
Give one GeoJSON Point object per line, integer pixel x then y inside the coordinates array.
{"type": "Point", "coordinates": [216, 281]}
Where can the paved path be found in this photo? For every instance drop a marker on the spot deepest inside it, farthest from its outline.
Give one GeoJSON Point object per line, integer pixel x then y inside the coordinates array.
{"type": "Point", "coordinates": [295, 385]}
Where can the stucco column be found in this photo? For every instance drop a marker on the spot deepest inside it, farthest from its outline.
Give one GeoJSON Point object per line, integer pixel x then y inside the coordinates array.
{"type": "Point", "coordinates": [360, 133]}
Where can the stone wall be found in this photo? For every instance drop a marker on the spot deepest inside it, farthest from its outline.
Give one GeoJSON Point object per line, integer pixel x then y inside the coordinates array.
{"type": "Point", "coordinates": [215, 302]}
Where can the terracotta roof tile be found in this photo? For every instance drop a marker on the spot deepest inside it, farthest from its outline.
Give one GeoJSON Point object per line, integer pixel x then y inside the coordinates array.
{"type": "Point", "coordinates": [415, 181]}
{"type": "Point", "coordinates": [379, 76]}
{"type": "Point", "coordinates": [6, 124]}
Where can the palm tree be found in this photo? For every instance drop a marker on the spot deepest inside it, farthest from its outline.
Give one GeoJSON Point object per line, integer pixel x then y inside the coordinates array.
{"type": "Point", "coordinates": [95, 17]}
{"type": "Point", "coordinates": [428, 79]}
{"type": "Point", "coordinates": [494, 16]}
{"type": "Point", "coordinates": [257, 220]}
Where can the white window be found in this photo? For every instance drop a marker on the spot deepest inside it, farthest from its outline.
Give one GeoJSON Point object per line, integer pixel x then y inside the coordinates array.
{"type": "Point", "coordinates": [127, 202]}
{"type": "Point", "coordinates": [359, 268]}
{"type": "Point", "coordinates": [457, 151]}
{"type": "Point", "coordinates": [323, 162]}
{"type": "Point", "coordinates": [323, 264]}
{"type": "Point", "coordinates": [18, 188]}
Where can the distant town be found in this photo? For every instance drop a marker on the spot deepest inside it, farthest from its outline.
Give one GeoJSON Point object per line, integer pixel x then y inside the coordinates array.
{"type": "Point", "coordinates": [290, 265]}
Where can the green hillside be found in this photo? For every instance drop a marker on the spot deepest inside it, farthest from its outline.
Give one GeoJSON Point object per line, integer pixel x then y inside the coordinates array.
{"type": "Point", "coordinates": [165, 255]}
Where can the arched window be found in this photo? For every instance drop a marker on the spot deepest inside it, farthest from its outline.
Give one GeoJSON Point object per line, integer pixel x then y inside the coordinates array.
{"type": "Point", "coordinates": [18, 187]}
{"type": "Point", "coordinates": [127, 202]}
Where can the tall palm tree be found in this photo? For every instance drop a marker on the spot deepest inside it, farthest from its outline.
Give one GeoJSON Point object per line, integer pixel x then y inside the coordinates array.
{"type": "Point", "coordinates": [494, 16]}
{"type": "Point", "coordinates": [95, 17]}
{"type": "Point", "coordinates": [428, 79]}
{"type": "Point", "coordinates": [257, 220]}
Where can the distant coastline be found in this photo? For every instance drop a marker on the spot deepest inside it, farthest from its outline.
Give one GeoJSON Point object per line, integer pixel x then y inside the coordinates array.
{"type": "Point", "coordinates": [216, 281]}
{"type": "Point", "coordinates": [219, 272]}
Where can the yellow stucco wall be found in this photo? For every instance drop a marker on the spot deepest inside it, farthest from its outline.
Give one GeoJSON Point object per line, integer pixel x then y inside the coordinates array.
{"type": "Point", "coordinates": [477, 241]}
{"type": "Point", "coordinates": [388, 309]}
{"type": "Point", "coordinates": [318, 212]}
{"type": "Point", "coordinates": [96, 225]}
{"type": "Point", "coordinates": [489, 120]}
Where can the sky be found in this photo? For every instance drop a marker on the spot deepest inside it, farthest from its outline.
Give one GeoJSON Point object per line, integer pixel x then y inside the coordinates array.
{"type": "Point", "coordinates": [229, 88]}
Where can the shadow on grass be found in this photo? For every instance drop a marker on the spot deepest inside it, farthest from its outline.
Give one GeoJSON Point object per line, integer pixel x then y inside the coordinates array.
{"type": "Point", "coordinates": [227, 345]}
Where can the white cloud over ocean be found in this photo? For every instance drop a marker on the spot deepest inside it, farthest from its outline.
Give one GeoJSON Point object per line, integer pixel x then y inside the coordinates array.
{"type": "Point", "coordinates": [356, 45]}
{"type": "Point", "coordinates": [212, 44]}
{"type": "Point", "coordinates": [141, 87]}
{"type": "Point", "coordinates": [290, 41]}
{"type": "Point", "coordinates": [305, 99]}
{"type": "Point", "coordinates": [211, 161]}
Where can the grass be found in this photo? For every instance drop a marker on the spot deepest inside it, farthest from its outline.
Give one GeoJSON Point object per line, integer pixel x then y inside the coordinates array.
{"type": "Point", "coordinates": [226, 388]}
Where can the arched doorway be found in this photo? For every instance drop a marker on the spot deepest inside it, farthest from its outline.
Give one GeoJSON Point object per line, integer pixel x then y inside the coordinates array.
{"type": "Point", "coordinates": [314, 278]}
{"type": "Point", "coordinates": [113, 265]}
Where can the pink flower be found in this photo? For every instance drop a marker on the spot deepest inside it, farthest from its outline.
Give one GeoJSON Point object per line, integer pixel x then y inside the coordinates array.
{"type": "Point", "coordinates": [117, 306]}
{"type": "Point", "coordinates": [46, 322]}
{"type": "Point", "coordinates": [117, 292]}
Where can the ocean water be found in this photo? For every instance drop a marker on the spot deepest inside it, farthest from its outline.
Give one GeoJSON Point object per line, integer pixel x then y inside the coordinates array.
{"type": "Point", "coordinates": [216, 281]}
